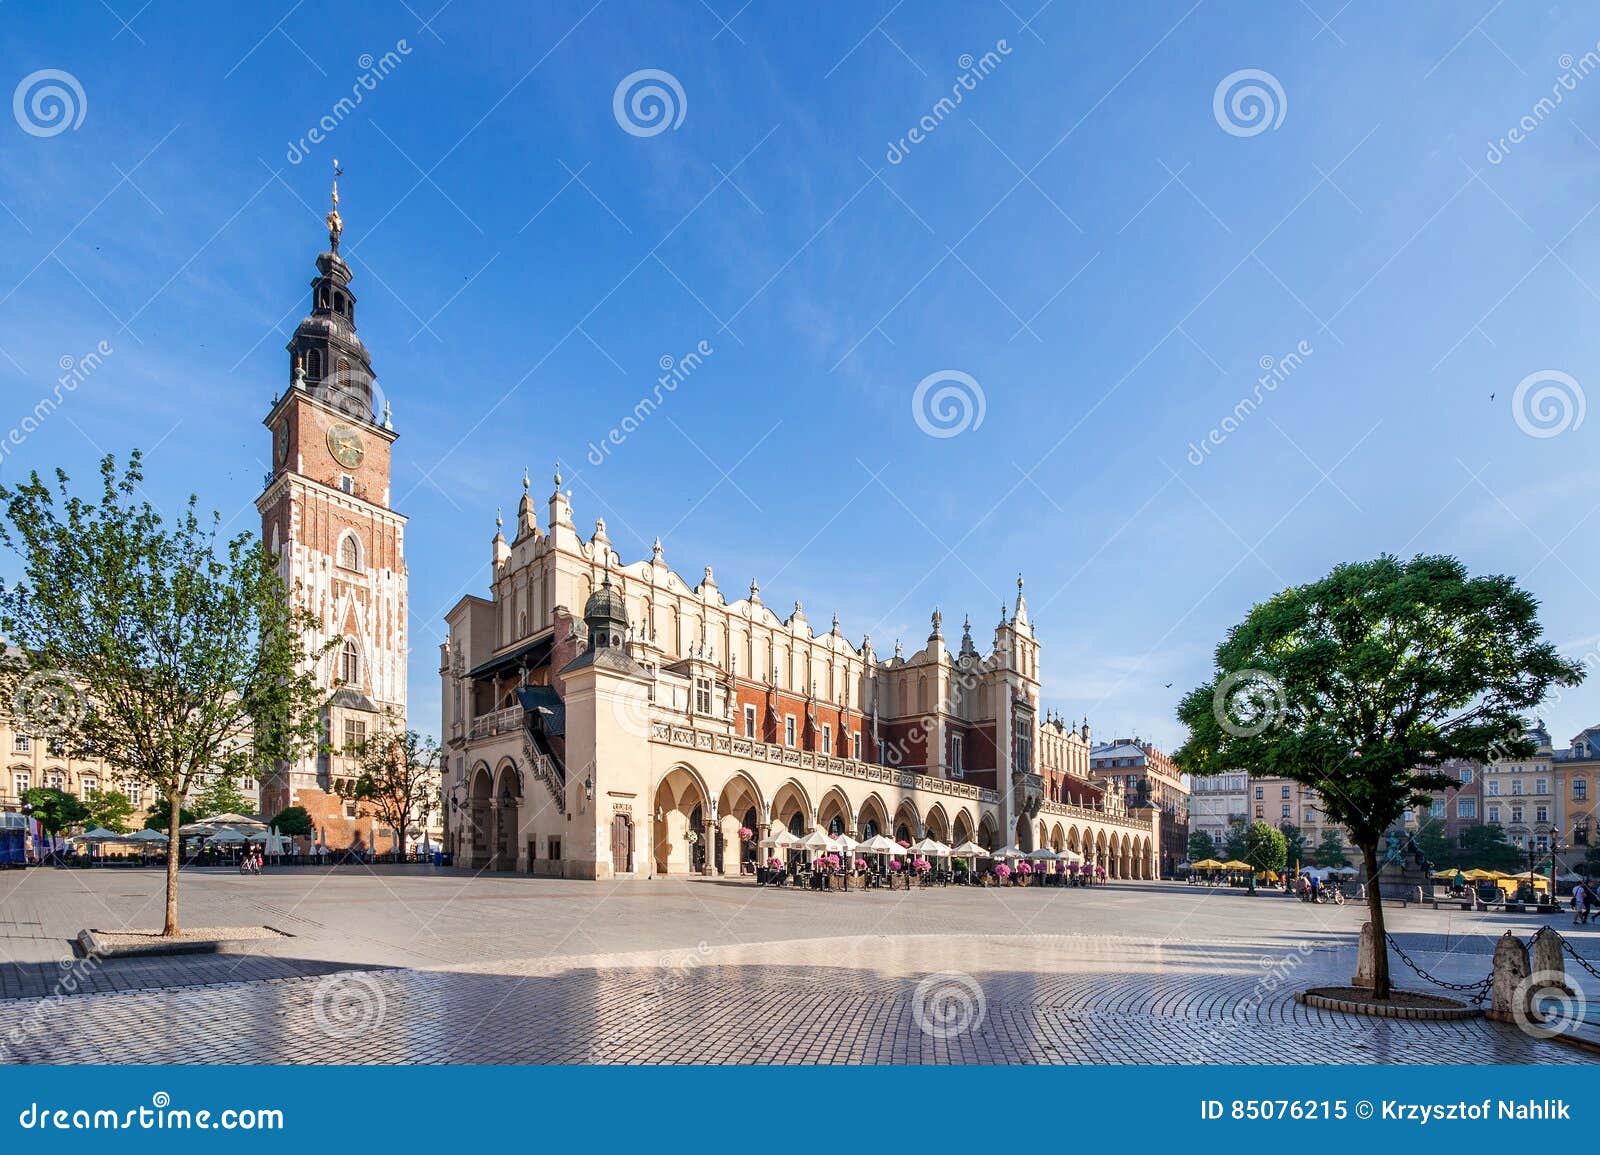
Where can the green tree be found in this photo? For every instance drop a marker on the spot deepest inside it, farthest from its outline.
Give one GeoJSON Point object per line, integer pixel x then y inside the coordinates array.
{"type": "Point", "coordinates": [1264, 847]}
{"type": "Point", "coordinates": [399, 778]}
{"type": "Point", "coordinates": [1294, 842]}
{"type": "Point", "coordinates": [220, 795]}
{"type": "Point", "coordinates": [293, 820]}
{"type": "Point", "coordinates": [1487, 847]}
{"type": "Point", "coordinates": [110, 809]}
{"type": "Point", "coordinates": [160, 816]}
{"type": "Point", "coordinates": [1330, 851]}
{"type": "Point", "coordinates": [1359, 685]}
{"type": "Point", "coordinates": [1237, 841]}
{"type": "Point", "coordinates": [1435, 847]}
{"type": "Point", "coordinates": [161, 649]}
{"type": "Point", "coordinates": [1200, 846]}
{"type": "Point", "coordinates": [55, 810]}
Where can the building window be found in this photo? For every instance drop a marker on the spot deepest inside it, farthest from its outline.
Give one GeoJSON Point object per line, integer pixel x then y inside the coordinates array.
{"type": "Point", "coordinates": [1285, 792]}
{"type": "Point", "coordinates": [1437, 809]}
{"type": "Point", "coordinates": [1492, 787]}
{"type": "Point", "coordinates": [1516, 814]}
{"type": "Point", "coordinates": [347, 484]}
{"type": "Point", "coordinates": [1286, 810]}
{"type": "Point", "coordinates": [1541, 814]}
{"type": "Point", "coordinates": [958, 765]}
{"type": "Point", "coordinates": [855, 746]}
{"type": "Point", "coordinates": [57, 747]}
{"type": "Point", "coordinates": [1516, 786]}
{"type": "Point", "coordinates": [20, 744]}
{"type": "Point", "coordinates": [749, 721]}
{"type": "Point", "coordinates": [355, 735]}
{"type": "Point", "coordinates": [788, 729]}
{"type": "Point", "coordinates": [90, 786]}
{"type": "Point", "coordinates": [350, 664]}
{"type": "Point", "coordinates": [135, 793]}
{"type": "Point", "coordinates": [827, 739]}
{"type": "Point", "coordinates": [55, 780]}
{"type": "Point", "coordinates": [702, 695]}
{"type": "Point", "coordinates": [1541, 786]}
{"type": "Point", "coordinates": [23, 783]}
{"type": "Point", "coordinates": [1466, 808]}
{"type": "Point", "coordinates": [1580, 789]}
{"type": "Point", "coordinates": [1494, 815]}
{"type": "Point", "coordinates": [1260, 792]}
{"type": "Point", "coordinates": [350, 551]}
{"type": "Point", "coordinates": [1466, 777]}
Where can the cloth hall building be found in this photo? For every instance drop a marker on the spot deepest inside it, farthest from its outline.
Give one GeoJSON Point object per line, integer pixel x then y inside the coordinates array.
{"type": "Point", "coordinates": [607, 720]}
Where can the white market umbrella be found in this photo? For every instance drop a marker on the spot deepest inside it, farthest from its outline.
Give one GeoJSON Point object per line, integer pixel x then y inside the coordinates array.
{"type": "Point", "coordinates": [816, 840]}
{"type": "Point", "coordinates": [878, 844]}
{"type": "Point", "coordinates": [228, 836]}
{"type": "Point", "coordinates": [100, 834]}
{"type": "Point", "coordinates": [846, 842]}
{"type": "Point", "coordinates": [147, 835]}
{"type": "Point", "coordinates": [1006, 852]}
{"type": "Point", "coordinates": [969, 849]}
{"type": "Point", "coordinates": [231, 820]}
{"type": "Point", "coordinates": [781, 839]}
{"type": "Point", "coordinates": [1043, 854]}
{"type": "Point", "coordinates": [930, 848]}
{"type": "Point", "coordinates": [1070, 856]}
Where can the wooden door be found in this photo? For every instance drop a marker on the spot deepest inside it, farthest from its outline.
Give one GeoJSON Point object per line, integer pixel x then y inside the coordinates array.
{"type": "Point", "coordinates": [622, 844]}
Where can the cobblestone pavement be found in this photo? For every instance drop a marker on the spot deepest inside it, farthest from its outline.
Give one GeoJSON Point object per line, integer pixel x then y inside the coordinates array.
{"type": "Point", "coordinates": [416, 965]}
{"type": "Point", "coordinates": [962, 999]}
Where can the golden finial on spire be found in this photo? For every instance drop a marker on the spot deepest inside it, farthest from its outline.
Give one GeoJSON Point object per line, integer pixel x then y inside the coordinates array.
{"type": "Point", "coordinates": [335, 223]}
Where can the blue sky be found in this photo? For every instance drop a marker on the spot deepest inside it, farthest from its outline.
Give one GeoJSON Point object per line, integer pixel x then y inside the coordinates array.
{"type": "Point", "coordinates": [1101, 252]}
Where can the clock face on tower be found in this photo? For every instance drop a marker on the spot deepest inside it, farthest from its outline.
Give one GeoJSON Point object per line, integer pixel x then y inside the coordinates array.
{"type": "Point", "coordinates": [345, 445]}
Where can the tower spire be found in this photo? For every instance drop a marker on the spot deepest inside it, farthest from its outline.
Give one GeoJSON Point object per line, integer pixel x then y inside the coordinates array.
{"type": "Point", "coordinates": [335, 222]}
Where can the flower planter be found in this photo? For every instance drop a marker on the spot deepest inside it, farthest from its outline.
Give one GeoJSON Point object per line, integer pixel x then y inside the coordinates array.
{"type": "Point", "coordinates": [855, 882]}
{"type": "Point", "coordinates": [899, 882]}
{"type": "Point", "coordinates": [835, 882]}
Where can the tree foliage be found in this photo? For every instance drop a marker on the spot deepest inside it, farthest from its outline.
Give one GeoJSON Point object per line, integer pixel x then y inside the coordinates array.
{"type": "Point", "coordinates": [220, 795]}
{"type": "Point", "coordinates": [1200, 846]}
{"type": "Point", "coordinates": [1294, 842]}
{"type": "Point", "coordinates": [1486, 846]}
{"type": "Point", "coordinates": [160, 816]}
{"type": "Point", "coordinates": [56, 810]}
{"type": "Point", "coordinates": [1360, 684]}
{"type": "Point", "coordinates": [110, 809]}
{"type": "Point", "coordinates": [1264, 847]}
{"type": "Point", "coordinates": [161, 649]}
{"type": "Point", "coordinates": [293, 820]}
{"type": "Point", "coordinates": [399, 777]}
{"type": "Point", "coordinates": [1330, 850]}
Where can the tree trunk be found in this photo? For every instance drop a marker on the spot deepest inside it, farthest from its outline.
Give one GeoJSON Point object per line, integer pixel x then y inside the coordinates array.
{"type": "Point", "coordinates": [174, 855]}
{"type": "Point", "coordinates": [1380, 942]}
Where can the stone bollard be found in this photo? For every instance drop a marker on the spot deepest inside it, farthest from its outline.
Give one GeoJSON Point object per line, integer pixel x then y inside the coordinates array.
{"type": "Point", "coordinates": [1416, 895]}
{"type": "Point", "coordinates": [1510, 973]}
{"type": "Point", "coordinates": [1549, 966]}
{"type": "Point", "coordinates": [1366, 959]}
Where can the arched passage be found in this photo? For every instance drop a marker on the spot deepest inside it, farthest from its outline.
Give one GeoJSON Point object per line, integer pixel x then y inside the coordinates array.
{"type": "Point", "coordinates": [791, 808]}
{"type": "Point", "coordinates": [739, 805]}
{"type": "Point", "coordinates": [907, 823]}
{"type": "Point", "coordinates": [988, 833]}
{"type": "Point", "coordinates": [480, 805]}
{"type": "Point", "coordinates": [872, 819]}
{"type": "Point", "coordinates": [938, 825]}
{"type": "Point", "coordinates": [833, 812]}
{"type": "Point", "coordinates": [962, 830]}
{"type": "Point", "coordinates": [503, 811]}
{"type": "Point", "coordinates": [681, 805]}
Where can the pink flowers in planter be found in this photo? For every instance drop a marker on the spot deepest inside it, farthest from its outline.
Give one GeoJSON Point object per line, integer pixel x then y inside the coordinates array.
{"type": "Point", "coordinates": [828, 863]}
{"type": "Point", "coordinates": [921, 865]}
{"type": "Point", "coordinates": [861, 864]}
{"type": "Point", "coordinates": [774, 864]}
{"type": "Point", "coordinates": [1024, 868]}
{"type": "Point", "coordinates": [904, 844]}
{"type": "Point", "coordinates": [896, 864]}
{"type": "Point", "coordinates": [1100, 872]}
{"type": "Point", "coordinates": [1002, 871]}
{"type": "Point", "coordinates": [746, 834]}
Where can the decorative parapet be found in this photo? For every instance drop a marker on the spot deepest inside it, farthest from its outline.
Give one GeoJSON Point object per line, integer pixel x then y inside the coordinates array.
{"type": "Point", "coordinates": [690, 738]}
{"type": "Point", "coordinates": [1083, 813]}
{"type": "Point", "coordinates": [500, 722]}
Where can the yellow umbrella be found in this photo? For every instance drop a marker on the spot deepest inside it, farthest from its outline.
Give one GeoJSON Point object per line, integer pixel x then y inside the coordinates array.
{"type": "Point", "coordinates": [1447, 873]}
{"type": "Point", "coordinates": [1207, 864]}
{"type": "Point", "coordinates": [1235, 864]}
{"type": "Point", "coordinates": [1476, 874]}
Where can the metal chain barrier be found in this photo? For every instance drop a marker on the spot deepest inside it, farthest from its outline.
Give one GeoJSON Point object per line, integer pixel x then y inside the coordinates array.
{"type": "Point", "coordinates": [1566, 946]}
{"type": "Point", "coordinates": [1477, 991]}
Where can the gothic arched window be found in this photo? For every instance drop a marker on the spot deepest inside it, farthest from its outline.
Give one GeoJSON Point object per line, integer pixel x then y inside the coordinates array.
{"type": "Point", "coordinates": [349, 663]}
{"type": "Point", "coordinates": [313, 365]}
{"type": "Point", "coordinates": [350, 551]}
